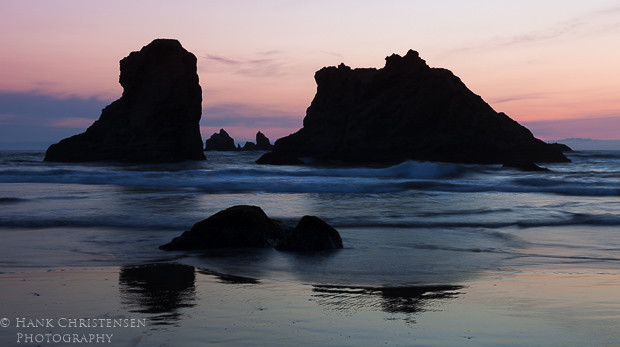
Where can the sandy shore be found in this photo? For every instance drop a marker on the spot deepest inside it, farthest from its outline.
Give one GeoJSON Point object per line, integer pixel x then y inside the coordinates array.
{"type": "Point", "coordinates": [179, 305]}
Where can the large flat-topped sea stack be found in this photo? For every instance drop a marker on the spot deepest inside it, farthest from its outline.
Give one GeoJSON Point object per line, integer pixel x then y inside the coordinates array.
{"type": "Point", "coordinates": [155, 120]}
{"type": "Point", "coordinates": [404, 111]}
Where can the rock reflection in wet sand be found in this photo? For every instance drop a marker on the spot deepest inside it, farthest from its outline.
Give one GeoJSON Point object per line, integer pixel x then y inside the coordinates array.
{"type": "Point", "coordinates": [408, 300]}
{"type": "Point", "coordinates": [160, 290]}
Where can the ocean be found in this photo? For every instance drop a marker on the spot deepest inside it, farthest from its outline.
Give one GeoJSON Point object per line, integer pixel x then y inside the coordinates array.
{"type": "Point", "coordinates": [436, 226]}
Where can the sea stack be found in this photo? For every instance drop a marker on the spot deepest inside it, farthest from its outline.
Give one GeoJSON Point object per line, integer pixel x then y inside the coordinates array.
{"type": "Point", "coordinates": [262, 144]}
{"type": "Point", "coordinates": [404, 111]}
{"type": "Point", "coordinates": [157, 117]}
{"type": "Point", "coordinates": [220, 142]}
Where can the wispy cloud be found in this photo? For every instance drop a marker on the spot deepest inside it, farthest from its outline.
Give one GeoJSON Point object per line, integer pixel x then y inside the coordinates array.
{"type": "Point", "coordinates": [592, 23]}
{"type": "Point", "coordinates": [6, 117]}
{"type": "Point", "coordinates": [521, 97]}
{"type": "Point", "coordinates": [223, 60]}
{"type": "Point", "coordinates": [41, 106]}
{"type": "Point", "coordinates": [332, 54]}
{"type": "Point", "coordinates": [72, 122]}
{"type": "Point", "coordinates": [249, 116]}
{"type": "Point", "coordinates": [30, 116]}
{"type": "Point", "coordinates": [597, 127]}
{"type": "Point", "coordinates": [262, 64]}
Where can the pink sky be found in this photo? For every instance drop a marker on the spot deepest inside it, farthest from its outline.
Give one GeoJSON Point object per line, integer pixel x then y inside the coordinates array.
{"type": "Point", "coordinates": [541, 62]}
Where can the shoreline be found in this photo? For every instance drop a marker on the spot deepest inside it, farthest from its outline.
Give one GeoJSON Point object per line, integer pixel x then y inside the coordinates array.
{"type": "Point", "coordinates": [189, 306]}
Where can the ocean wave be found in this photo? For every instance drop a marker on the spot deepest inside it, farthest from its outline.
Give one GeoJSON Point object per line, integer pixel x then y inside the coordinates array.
{"type": "Point", "coordinates": [407, 176]}
{"type": "Point", "coordinates": [589, 155]}
{"type": "Point", "coordinates": [88, 222]}
{"type": "Point", "coordinates": [558, 186]}
{"type": "Point", "coordinates": [408, 169]}
{"type": "Point", "coordinates": [470, 222]}
{"type": "Point", "coordinates": [10, 200]}
{"type": "Point", "coordinates": [247, 179]}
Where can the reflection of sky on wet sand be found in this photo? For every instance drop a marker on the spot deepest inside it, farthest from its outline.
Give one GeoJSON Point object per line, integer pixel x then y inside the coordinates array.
{"type": "Point", "coordinates": [586, 302]}
{"type": "Point", "coordinates": [541, 308]}
{"type": "Point", "coordinates": [190, 306]}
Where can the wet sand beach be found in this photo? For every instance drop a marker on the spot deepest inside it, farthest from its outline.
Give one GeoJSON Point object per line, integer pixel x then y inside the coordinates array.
{"type": "Point", "coordinates": [181, 305]}
{"type": "Point", "coordinates": [434, 254]}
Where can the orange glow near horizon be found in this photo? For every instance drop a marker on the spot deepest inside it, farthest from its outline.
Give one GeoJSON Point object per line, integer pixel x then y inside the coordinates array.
{"type": "Point", "coordinates": [558, 64]}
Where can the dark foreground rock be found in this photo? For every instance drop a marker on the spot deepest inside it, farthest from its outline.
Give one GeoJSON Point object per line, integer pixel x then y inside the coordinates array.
{"type": "Point", "coordinates": [220, 142]}
{"type": "Point", "coordinates": [245, 226]}
{"type": "Point", "coordinates": [155, 120]}
{"type": "Point", "coordinates": [404, 111]}
{"type": "Point", "coordinates": [236, 227]}
{"type": "Point", "coordinates": [311, 234]}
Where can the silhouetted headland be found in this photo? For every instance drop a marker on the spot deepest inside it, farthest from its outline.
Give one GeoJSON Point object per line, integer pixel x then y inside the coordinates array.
{"type": "Point", "coordinates": [155, 120]}
{"type": "Point", "coordinates": [404, 111]}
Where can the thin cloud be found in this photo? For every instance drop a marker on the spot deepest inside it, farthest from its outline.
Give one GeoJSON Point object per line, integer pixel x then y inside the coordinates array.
{"type": "Point", "coordinates": [250, 116]}
{"type": "Point", "coordinates": [595, 22]}
{"type": "Point", "coordinates": [332, 54]}
{"type": "Point", "coordinates": [267, 63]}
{"type": "Point", "coordinates": [271, 52]}
{"type": "Point", "coordinates": [516, 98]}
{"type": "Point", "coordinates": [597, 127]}
{"type": "Point", "coordinates": [222, 60]}
{"type": "Point", "coordinates": [6, 117]}
{"type": "Point", "coordinates": [72, 122]}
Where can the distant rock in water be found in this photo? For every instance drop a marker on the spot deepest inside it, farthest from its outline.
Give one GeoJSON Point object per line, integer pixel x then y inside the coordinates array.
{"type": "Point", "coordinates": [262, 144]}
{"type": "Point", "coordinates": [404, 111]}
{"type": "Point", "coordinates": [223, 142]}
{"type": "Point", "coordinates": [155, 120]}
{"type": "Point", "coordinates": [220, 142]}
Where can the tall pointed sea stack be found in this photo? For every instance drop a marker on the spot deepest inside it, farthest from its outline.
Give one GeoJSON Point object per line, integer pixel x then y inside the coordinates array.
{"type": "Point", "coordinates": [155, 120]}
{"type": "Point", "coordinates": [404, 111]}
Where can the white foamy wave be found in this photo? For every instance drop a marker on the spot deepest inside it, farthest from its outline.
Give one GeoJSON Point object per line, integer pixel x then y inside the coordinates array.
{"type": "Point", "coordinates": [229, 175]}
{"type": "Point", "coordinates": [408, 169]}
{"type": "Point", "coordinates": [259, 178]}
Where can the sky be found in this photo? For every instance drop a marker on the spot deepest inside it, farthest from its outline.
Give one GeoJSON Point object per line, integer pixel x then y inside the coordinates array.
{"type": "Point", "coordinates": [550, 65]}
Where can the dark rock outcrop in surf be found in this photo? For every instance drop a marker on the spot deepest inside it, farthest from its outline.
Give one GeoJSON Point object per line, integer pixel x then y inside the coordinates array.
{"type": "Point", "coordinates": [310, 235]}
{"type": "Point", "coordinates": [404, 111]}
{"type": "Point", "coordinates": [246, 226]}
{"type": "Point", "coordinates": [155, 120]}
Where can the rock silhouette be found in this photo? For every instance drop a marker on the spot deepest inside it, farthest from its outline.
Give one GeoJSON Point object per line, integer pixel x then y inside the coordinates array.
{"type": "Point", "coordinates": [246, 226]}
{"type": "Point", "coordinates": [155, 120]}
{"type": "Point", "coordinates": [223, 142]}
{"type": "Point", "coordinates": [236, 227]}
{"type": "Point", "coordinates": [220, 142]}
{"type": "Point", "coordinates": [404, 111]}
{"type": "Point", "coordinates": [262, 144]}
{"type": "Point", "coordinates": [310, 235]}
